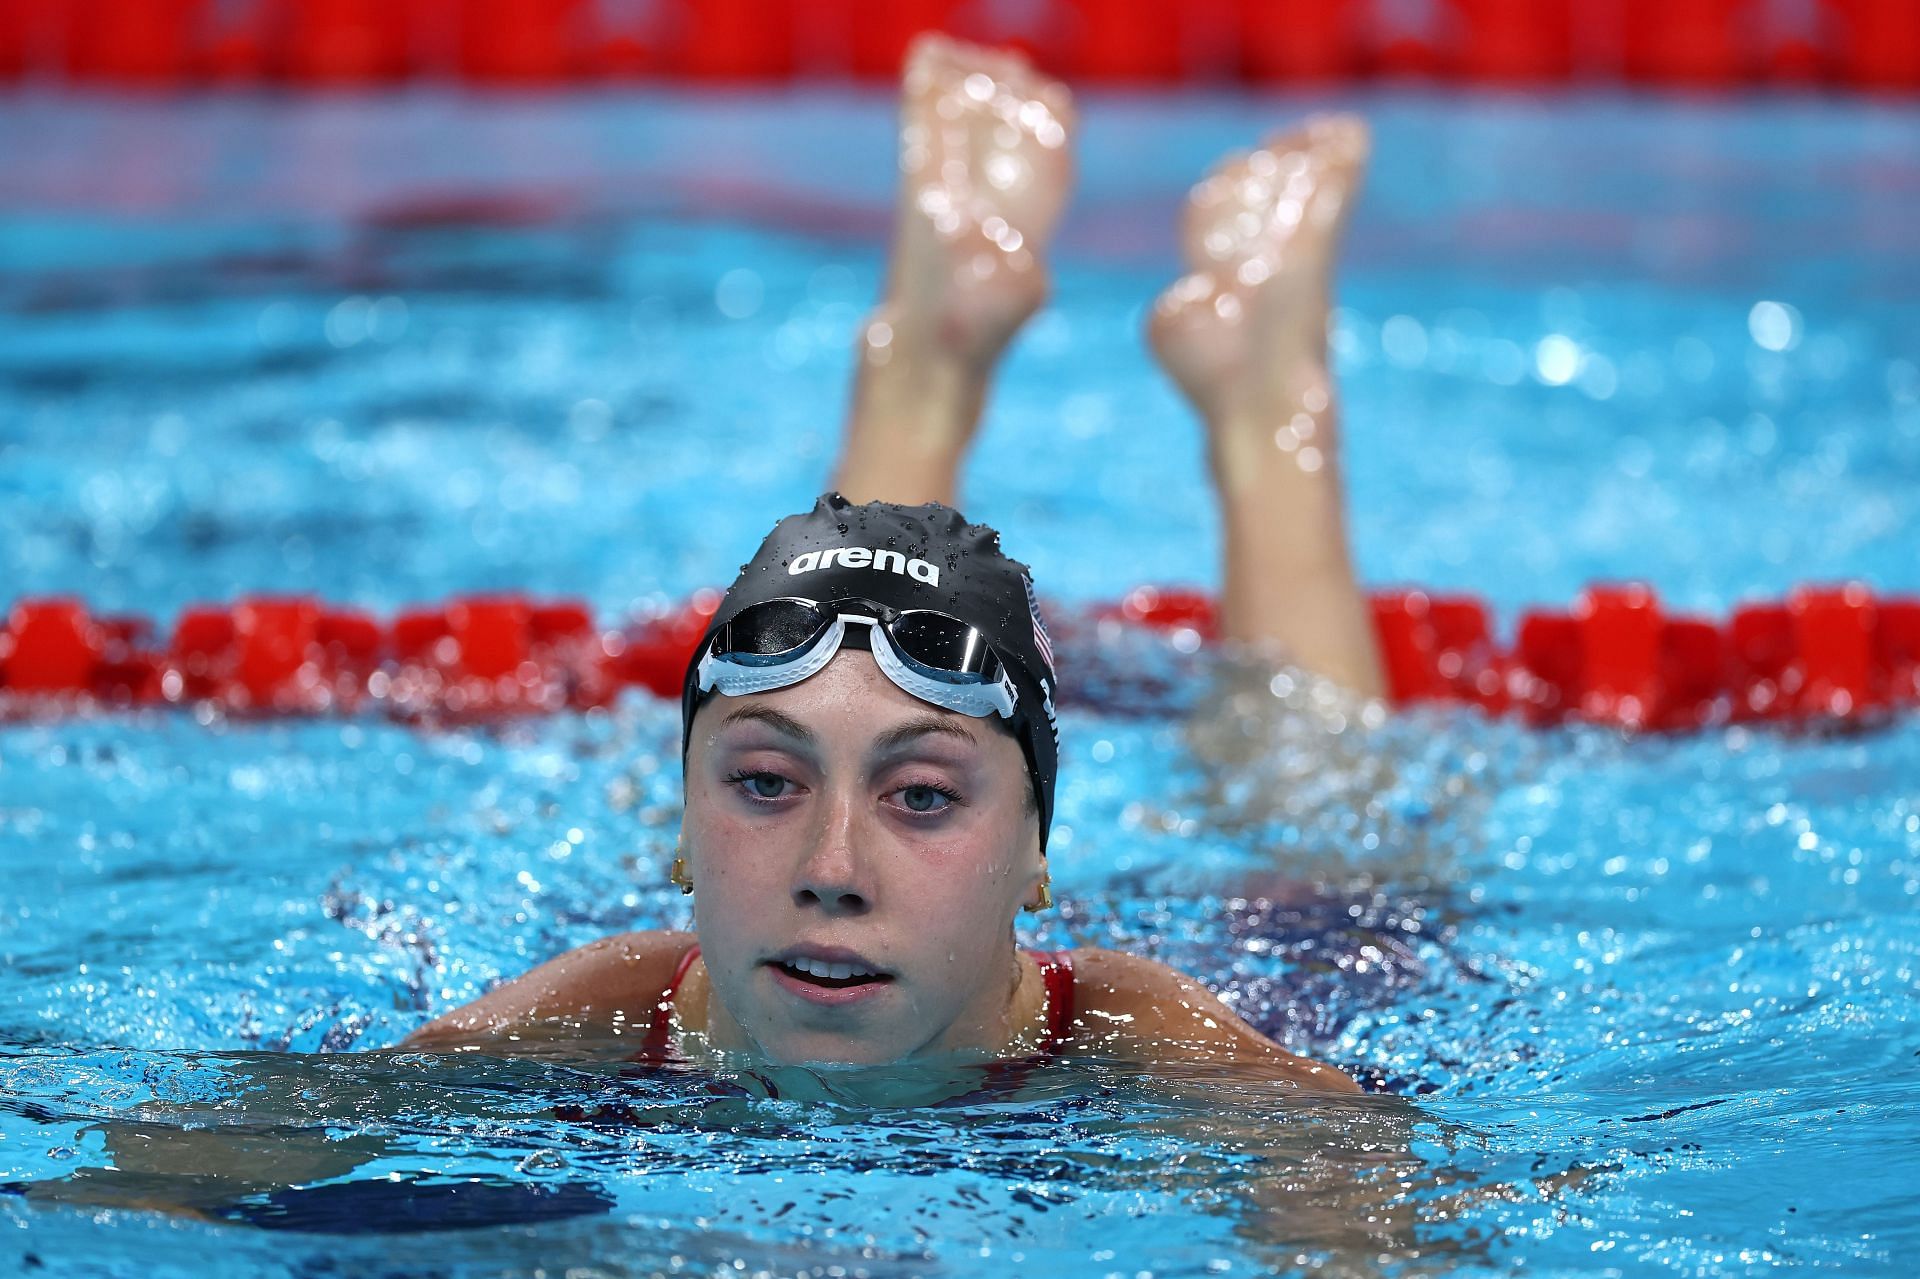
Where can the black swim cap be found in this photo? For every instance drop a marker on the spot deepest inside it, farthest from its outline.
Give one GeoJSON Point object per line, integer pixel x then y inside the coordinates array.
{"type": "Point", "coordinates": [916, 557]}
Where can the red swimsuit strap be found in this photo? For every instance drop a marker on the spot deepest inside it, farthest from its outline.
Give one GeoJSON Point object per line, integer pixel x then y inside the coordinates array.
{"type": "Point", "coordinates": [656, 1046]}
{"type": "Point", "coordinates": [1056, 970]}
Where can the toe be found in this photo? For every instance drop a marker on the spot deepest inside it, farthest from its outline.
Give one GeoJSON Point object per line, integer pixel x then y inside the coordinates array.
{"type": "Point", "coordinates": [1329, 140]}
{"type": "Point", "coordinates": [949, 62]}
{"type": "Point", "coordinates": [1315, 168]}
{"type": "Point", "coordinates": [1342, 145]}
{"type": "Point", "coordinates": [1342, 139]}
{"type": "Point", "coordinates": [1209, 230]}
{"type": "Point", "coordinates": [1058, 99]}
{"type": "Point", "coordinates": [1332, 144]}
{"type": "Point", "coordinates": [926, 57]}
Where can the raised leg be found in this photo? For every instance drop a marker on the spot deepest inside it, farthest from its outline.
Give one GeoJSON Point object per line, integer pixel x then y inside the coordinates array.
{"type": "Point", "coordinates": [984, 173]}
{"type": "Point", "coordinates": [1244, 334]}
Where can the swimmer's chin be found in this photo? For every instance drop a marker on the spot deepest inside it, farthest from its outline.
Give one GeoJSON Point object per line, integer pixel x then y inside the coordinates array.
{"type": "Point", "coordinates": [808, 1052]}
{"type": "Point", "coordinates": [844, 1060]}
{"type": "Point", "coordinates": [894, 1083]}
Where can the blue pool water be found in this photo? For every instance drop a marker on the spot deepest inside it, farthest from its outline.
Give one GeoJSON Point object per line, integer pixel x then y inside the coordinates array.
{"type": "Point", "coordinates": [391, 350]}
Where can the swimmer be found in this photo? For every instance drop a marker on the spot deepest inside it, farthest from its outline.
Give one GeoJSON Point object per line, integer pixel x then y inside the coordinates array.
{"type": "Point", "coordinates": [867, 726]}
{"type": "Point", "coordinates": [870, 753]}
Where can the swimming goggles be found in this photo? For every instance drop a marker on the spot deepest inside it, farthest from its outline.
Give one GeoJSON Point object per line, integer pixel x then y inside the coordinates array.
{"type": "Point", "coordinates": [935, 657]}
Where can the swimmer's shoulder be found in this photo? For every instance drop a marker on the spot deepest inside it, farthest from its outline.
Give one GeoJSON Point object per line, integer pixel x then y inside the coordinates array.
{"type": "Point", "coordinates": [1131, 1006]}
{"type": "Point", "coordinates": [613, 982]}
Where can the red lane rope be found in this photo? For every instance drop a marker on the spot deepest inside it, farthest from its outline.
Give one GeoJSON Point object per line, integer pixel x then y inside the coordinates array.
{"type": "Point", "coordinates": [1825, 653]}
{"type": "Point", "coordinates": [1865, 44]}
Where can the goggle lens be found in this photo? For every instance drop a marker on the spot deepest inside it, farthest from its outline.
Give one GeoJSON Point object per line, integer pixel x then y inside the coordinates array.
{"type": "Point", "coordinates": [944, 644]}
{"type": "Point", "coordinates": [767, 633]}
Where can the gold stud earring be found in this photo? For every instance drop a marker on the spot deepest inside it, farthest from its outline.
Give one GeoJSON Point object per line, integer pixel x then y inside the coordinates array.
{"type": "Point", "coordinates": [1045, 902]}
{"type": "Point", "coordinates": [679, 875]}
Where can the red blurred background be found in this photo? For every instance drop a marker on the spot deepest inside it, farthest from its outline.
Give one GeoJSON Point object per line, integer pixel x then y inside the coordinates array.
{"type": "Point", "coordinates": [1871, 45]}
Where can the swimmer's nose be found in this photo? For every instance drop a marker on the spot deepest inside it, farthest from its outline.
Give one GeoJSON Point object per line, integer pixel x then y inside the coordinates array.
{"type": "Point", "coordinates": [834, 874]}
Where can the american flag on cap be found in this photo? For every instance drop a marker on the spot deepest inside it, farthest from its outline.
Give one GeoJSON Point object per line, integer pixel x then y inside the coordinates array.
{"type": "Point", "coordinates": [1040, 640]}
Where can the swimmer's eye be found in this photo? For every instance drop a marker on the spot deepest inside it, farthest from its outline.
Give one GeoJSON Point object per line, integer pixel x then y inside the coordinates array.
{"type": "Point", "coordinates": [927, 798]}
{"type": "Point", "coordinates": [763, 787]}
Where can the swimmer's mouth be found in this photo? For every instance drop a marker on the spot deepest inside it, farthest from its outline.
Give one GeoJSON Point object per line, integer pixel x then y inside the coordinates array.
{"type": "Point", "coordinates": [835, 972]}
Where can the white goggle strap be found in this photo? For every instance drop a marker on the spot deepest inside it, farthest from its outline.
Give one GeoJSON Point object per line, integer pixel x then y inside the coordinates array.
{"type": "Point", "coordinates": [977, 700]}
{"type": "Point", "coordinates": [736, 680]}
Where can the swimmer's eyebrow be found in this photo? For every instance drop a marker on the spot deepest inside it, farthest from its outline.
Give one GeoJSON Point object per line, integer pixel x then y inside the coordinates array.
{"type": "Point", "coordinates": [920, 726]}
{"type": "Point", "coordinates": [887, 743]}
{"type": "Point", "coordinates": [781, 723]}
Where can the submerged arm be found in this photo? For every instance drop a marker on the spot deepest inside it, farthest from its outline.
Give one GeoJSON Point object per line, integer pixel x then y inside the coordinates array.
{"type": "Point", "coordinates": [193, 1158]}
{"type": "Point", "coordinates": [1319, 1164]}
{"type": "Point", "coordinates": [1142, 1011]}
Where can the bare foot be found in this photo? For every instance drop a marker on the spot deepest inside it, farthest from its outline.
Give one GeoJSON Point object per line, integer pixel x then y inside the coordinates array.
{"type": "Point", "coordinates": [985, 169]}
{"type": "Point", "coordinates": [1245, 336]}
{"type": "Point", "coordinates": [1244, 333]}
{"type": "Point", "coordinates": [984, 173]}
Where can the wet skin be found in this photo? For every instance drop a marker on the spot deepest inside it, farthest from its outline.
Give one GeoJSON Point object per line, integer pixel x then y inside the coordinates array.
{"type": "Point", "coordinates": [843, 813]}
{"type": "Point", "coordinates": [985, 164]}
{"type": "Point", "coordinates": [815, 815]}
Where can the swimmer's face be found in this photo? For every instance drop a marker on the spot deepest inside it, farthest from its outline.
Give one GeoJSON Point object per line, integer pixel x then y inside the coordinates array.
{"type": "Point", "coordinates": [843, 817]}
